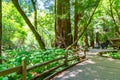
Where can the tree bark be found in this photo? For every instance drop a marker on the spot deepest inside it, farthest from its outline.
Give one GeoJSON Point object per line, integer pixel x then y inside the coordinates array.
{"type": "Point", "coordinates": [116, 26]}
{"type": "Point", "coordinates": [35, 13]}
{"type": "Point", "coordinates": [91, 34]}
{"type": "Point", "coordinates": [36, 34]}
{"type": "Point", "coordinates": [76, 20]}
{"type": "Point", "coordinates": [92, 42]}
{"type": "Point", "coordinates": [86, 40]}
{"type": "Point", "coordinates": [117, 14]}
{"type": "Point", "coordinates": [63, 34]}
{"type": "Point", "coordinates": [0, 31]}
{"type": "Point", "coordinates": [97, 39]}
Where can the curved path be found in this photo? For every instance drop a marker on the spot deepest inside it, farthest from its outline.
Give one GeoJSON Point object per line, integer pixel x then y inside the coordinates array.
{"type": "Point", "coordinates": [95, 68]}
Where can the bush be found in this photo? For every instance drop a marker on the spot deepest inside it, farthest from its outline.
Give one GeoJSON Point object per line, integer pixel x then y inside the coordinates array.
{"type": "Point", "coordinates": [15, 58]}
{"type": "Point", "coordinates": [115, 55]}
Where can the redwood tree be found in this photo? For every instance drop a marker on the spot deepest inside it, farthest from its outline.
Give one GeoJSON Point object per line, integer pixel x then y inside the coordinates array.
{"type": "Point", "coordinates": [97, 39]}
{"type": "Point", "coordinates": [35, 12]}
{"type": "Point", "coordinates": [86, 39]}
{"type": "Point", "coordinates": [0, 30]}
{"type": "Point", "coordinates": [76, 20]}
{"type": "Point", "coordinates": [91, 34]}
{"type": "Point", "coordinates": [112, 15]}
{"type": "Point", "coordinates": [63, 36]}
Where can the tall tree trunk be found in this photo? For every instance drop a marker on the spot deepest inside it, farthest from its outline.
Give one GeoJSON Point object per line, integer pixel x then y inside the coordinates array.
{"type": "Point", "coordinates": [86, 26]}
{"type": "Point", "coordinates": [116, 26]}
{"type": "Point", "coordinates": [118, 15]}
{"type": "Point", "coordinates": [92, 42]}
{"type": "Point", "coordinates": [0, 31]}
{"type": "Point", "coordinates": [91, 34]}
{"type": "Point", "coordinates": [35, 13]}
{"type": "Point", "coordinates": [63, 34]}
{"type": "Point", "coordinates": [55, 9]}
{"type": "Point", "coordinates": [97, 39]}
{"type": "Point", "coordinates": [86, 40]}
{"type": "Point", "coordinates": [76, 20]}
{"type": "Point", "coordinates": [36, 34]}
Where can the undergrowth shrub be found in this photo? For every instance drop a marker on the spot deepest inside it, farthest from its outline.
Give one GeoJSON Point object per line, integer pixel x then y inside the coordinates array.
{"type": "Point", "coordinates": [15, 58]}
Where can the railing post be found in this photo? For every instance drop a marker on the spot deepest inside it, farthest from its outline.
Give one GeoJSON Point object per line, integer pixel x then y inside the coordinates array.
{"type": "Point", "coordinates": [24, 69]}
{"type": "Point", "coordinates": [66, 58]}
{"type": "Point", "coordinates": [84, 53]}
{"type": "Point", "coordinates": [85, 50]}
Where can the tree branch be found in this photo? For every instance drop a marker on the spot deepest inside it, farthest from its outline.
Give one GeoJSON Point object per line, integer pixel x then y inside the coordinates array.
{"type": "Point", "coordinates": [85, 28]}
{"type": "Point", "coordinates": [37, 36]}
{"type": "Point", "coordinates": [35, 13]}
{"type": "Point", "coordinates": [116, 26]}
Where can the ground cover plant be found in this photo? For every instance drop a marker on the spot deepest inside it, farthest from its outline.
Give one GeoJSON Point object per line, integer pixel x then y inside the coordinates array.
{"type": "Point", "coordinates": [115, 55]}
{"type": "Point", "coordinates": [15, 57]}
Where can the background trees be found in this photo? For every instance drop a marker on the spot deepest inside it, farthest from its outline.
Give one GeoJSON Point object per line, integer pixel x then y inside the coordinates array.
{"type": "Point", "coordinates": [80, 10]}
{"type": "Point", "coordinates": [37, 36]}
{"type": "Point", "coordinates": [14, 33]}
{"type": "Point", "coordinates": [70, 20]}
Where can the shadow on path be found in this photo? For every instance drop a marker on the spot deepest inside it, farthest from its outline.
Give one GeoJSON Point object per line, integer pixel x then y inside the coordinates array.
{"type": "Point", "coordinates": [95, 68]}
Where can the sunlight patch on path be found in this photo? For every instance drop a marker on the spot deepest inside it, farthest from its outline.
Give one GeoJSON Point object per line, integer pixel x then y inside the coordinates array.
{"type": "Point", "coordinates": [95, 68]}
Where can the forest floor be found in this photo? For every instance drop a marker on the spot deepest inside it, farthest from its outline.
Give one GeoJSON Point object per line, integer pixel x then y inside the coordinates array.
{"type": "Point", "coordinates": [95, 68]}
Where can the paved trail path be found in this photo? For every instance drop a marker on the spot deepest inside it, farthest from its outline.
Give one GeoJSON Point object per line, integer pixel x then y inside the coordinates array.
{"type": "Point", "coordinates": [95, 68]}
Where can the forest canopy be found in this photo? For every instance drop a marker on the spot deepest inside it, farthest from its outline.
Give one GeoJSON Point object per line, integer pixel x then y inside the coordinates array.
{"type": "Point", "coordinates": [16, 32]}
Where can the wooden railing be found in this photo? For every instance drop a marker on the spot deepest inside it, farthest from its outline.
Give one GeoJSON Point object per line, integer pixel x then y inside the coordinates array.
{"type": "Point", "coordinates": [23, 69]}
{"type": "Point", "coordinates": [11, 70]}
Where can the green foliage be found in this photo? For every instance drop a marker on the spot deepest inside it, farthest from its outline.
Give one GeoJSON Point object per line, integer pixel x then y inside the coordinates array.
{"type": "Point", "coordinates": [13, 23]}
{"type": "Point", "coordinates": [46, 27]}
{"type": "Point", "coordinates": [115, 55]}
{"type": "Point", "coordinates": [4, 78]}
{"type": "Point", "coordinates": [15, 58]}
{"type": "Point", "coordinates": [15, 32]}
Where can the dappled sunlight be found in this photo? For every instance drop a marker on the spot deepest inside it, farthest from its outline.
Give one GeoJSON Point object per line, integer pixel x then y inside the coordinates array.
{"type": "Point", "coordinates": [68, 74]}
{"type": "Point", "coordinates": [62, 74]}
{"type": "Point", "coordinates": [95, 68]}
{"type": "Point", "coordinates": [64, 39]}
{"type": "Point", "coordinates": [110, 59]}
{"type": "Point", "coordinates": [89, 61]}
{"type": "Point", "coordinates": [74, 73]}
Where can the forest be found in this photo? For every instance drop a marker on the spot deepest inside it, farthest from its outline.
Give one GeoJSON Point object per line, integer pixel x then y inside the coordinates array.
{"type": "Point", "coordinates": [41, 37]}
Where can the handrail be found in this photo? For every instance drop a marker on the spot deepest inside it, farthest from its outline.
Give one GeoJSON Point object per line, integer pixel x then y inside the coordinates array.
{"type": "Point", "coordinates": [11, 70]}
{"type": "Point", "coordinates": [56, 73]}
{"type": "Point", "coordinates": [23, 69]}
{"type": "Point", "coordinates": [42, 64]}
{"type": "Point", "coordinates": [72, 59]}
{"type": "Point", "coordinates": [47, 71]}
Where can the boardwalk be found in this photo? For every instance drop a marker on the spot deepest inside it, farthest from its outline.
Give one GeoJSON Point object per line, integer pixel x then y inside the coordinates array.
{"type": "Point", "coordinates": [95, 68]}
